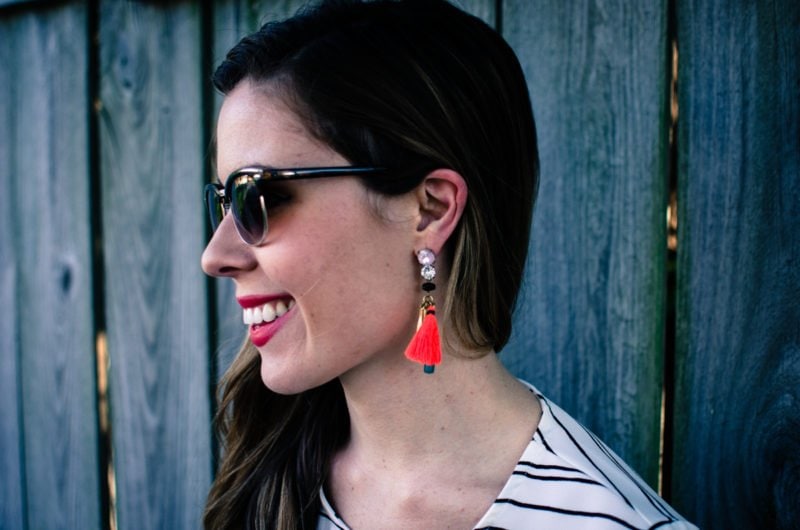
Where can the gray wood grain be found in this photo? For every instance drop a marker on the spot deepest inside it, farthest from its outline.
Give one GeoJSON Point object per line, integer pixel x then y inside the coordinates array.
{"type": "Point", "coordinates": [589, 327]}
{"type": "Point", "coordinates": [5, 3]}
{"type": "Point", "coordinates": [151, 164]}
{"type": "Point", "coordinates": [46, 274]}
{"type": "Point", "coordinates": [737, 433]}
{"type": "Point", "coordinates": [12, 485]}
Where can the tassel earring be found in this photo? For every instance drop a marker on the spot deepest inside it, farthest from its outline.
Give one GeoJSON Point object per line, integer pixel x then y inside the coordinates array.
{"type": "Point", "coordinates": [425, 347]}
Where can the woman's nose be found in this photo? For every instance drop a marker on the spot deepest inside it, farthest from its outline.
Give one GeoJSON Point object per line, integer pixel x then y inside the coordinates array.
{"type": "Point", "coordinates": [226, 254]}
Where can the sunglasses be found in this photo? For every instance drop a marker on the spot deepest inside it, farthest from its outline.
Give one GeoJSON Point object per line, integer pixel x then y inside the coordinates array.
{"type": "Point", "coordinates": [245, 195]}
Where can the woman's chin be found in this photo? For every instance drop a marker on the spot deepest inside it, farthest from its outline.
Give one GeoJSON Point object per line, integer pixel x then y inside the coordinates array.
{"type": "Point", "coordinates": [288, 382]}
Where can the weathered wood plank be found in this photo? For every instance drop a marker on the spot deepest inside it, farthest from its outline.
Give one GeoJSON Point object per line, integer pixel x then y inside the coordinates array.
{"type": "Point", "coordinates": [151, 166]}
{"type": "Point", "coordinates": [12, 485]}
{"type": "Point", "coordinates": [737, 432]}
{"type": "Point", "coordinates": [589, 328]}
{"type": "Point", "coordinates": [5, 3]}
{"type": "Point", "coordinates": [46, 276]}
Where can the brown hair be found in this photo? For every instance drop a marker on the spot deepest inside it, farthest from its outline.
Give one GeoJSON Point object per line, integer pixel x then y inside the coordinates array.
{"type": "Point", "coordinates": [413, 86]}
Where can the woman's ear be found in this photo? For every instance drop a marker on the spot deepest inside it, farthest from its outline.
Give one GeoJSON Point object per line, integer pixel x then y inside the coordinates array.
{"type": "Point", "coordinates": [442, 196]}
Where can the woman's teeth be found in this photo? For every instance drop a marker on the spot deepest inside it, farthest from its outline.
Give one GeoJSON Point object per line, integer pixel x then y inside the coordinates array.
{"type": "Point", "coordinates": [267, 312]}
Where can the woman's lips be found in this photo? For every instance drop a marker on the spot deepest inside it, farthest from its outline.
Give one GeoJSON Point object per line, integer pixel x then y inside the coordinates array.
{"type": "Point", "coordinates": [265, 315]}
{"type": "Point", "coordinates": [261, 334]}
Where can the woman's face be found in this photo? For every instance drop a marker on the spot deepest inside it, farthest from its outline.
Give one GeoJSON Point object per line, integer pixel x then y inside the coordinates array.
{"type": "Point", "coordinates": [346, 274]}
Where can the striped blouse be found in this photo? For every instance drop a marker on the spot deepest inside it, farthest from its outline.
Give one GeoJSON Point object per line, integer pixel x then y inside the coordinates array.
{"type": "Point", "coordinates": [566, 479]}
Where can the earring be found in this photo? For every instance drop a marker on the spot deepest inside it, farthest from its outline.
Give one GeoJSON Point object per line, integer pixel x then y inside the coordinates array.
{"type": "Point", "coordinates": [425, 347]}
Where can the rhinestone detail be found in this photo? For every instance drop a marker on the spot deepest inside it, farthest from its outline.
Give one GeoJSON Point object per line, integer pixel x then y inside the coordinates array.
{"type": "Point", "coordinates": [428, 272]}
{"type": "Point", "coordinates": [426, 257]}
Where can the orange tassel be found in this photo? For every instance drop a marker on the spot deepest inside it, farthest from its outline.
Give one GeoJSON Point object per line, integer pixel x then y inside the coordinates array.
{"type": "Point", "coordinates": [425, 347]}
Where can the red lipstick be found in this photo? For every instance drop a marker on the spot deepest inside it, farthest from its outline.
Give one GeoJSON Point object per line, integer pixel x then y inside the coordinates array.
{"type": "Point", "coordinates": [260, 334]}
{"type": "Point", "coordinates": [255, 300]}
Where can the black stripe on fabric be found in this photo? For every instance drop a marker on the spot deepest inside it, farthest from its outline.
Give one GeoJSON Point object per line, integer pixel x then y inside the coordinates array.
{"type": "Point", "coordinates": [578, 446]}
{"type": "Point", "coordinates": [662, 523]}
{"type": "Point", "coordinates": [547, 466]}
{"type": "Point", "coordinates": [328, 517]}
{"type": "Point", "coordinates": [558, 479]}
{"type": "Point", "coordinates": [491, 528]}
{"type": "Point", "coordinates": [541, 398]}
{"type": "Point", "coordinates": [656, 502]}
{"type": "Point", "coordinates": [567, 512]}
{"type": "Point", "coordinates": [544, 442]}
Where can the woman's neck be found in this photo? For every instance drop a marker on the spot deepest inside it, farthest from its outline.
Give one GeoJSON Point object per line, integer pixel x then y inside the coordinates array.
{"type": "Point", "coordinates": [403, 418]}
{"type": "Point", "coordinates": [430, 450]}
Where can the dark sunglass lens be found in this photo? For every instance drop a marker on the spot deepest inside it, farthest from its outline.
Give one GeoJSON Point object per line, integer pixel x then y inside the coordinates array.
{"type": "Point", "coordinates": [214, 205]}
{"type": "Point", "coordinates": [249, 211]}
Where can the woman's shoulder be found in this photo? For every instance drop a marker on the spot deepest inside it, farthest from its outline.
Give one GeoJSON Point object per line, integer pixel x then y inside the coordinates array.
{"type": "Point", "coordinates": [568, 477]}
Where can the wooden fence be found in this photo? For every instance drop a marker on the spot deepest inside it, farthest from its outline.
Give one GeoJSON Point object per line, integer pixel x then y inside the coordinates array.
{"type": "Point", "coordinates": [105, 113]}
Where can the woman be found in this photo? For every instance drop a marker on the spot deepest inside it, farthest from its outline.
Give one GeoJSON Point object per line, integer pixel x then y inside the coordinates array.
{"type": "Point", "coordinates": [379, 167]}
